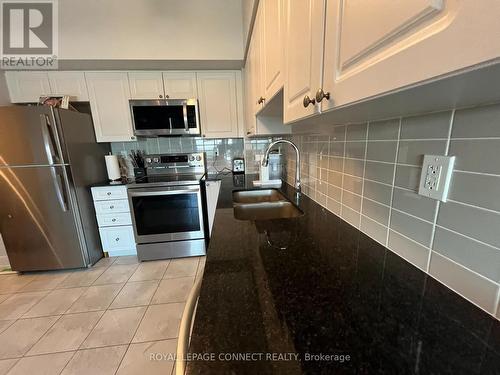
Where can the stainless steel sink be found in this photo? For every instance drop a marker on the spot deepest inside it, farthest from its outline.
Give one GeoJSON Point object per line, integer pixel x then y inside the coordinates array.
{"type": "Point", "coordinates": [257, 196]}
{"type": "Point", "coordinates": [265, 204]}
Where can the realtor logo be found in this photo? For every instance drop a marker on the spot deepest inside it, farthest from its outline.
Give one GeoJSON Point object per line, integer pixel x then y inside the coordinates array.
{"type": "Point", "coordinates": [29, 34]}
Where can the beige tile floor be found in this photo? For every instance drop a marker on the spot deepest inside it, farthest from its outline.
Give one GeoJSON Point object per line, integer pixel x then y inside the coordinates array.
{"type": "Point", "coordinates": [105, 320]}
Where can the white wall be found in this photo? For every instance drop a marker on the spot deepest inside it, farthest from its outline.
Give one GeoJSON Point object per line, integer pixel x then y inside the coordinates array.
{"type": "Point", "coordinates": [4, 96]}
{"type": "Point", "coordinates": [151, 29]}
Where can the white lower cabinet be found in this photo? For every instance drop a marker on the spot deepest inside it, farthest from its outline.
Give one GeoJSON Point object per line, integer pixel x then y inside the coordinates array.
{"type": "Point", "coordinates": [114, 220]}
{"type": "Point", "coordinates": [118, 240]}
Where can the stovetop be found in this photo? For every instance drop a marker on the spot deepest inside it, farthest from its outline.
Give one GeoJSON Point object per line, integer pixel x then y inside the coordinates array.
{"type": "Point", "coordinates": [167, 180]}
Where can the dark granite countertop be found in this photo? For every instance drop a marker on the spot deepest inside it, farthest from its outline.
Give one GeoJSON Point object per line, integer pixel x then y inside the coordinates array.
{"type": "Point", "coordinates": [331, 291]}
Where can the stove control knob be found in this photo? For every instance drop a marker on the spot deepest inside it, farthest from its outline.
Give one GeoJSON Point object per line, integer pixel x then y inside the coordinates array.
{"type": "Point", "coordinates": [191, 158]}
{"type": "Point", "coordinates": [198, 158]}
{"type": "Point", "coordinates": [156, 160]}
{"type": "Point", "coordinates": [148, 160]}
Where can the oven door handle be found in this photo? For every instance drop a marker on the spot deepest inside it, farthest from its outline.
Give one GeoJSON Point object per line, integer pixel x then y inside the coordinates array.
{"type": "Point", "coordinates": [163, 192]}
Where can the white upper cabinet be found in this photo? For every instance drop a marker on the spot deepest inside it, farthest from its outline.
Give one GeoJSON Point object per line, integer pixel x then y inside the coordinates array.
{"type": "Point", "coordinates": [219, 95]}
{"type": "Point", "coordinates": [375, 47]}
{"type": "Point", "coordinates": [146, 85]}
{"type": "Point", "coordinates": [272, 25]}
{"type": "Point", "coordinates": [109, 96]}
{"type": "Point", "coordinates": [69, 83]}
{"type": "Point", "coordinates": [304, 57]}
{"type": "Point", "coordinates": [180, 85]}
{"type": "Point", "coordinates": [27, 87]}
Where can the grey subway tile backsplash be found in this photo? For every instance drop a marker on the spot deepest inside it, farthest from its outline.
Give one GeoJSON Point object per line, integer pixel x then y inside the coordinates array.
{"type": "Point", "coordinates": [411, 227]}
{"type": "Point", "coordinates": [427, 126]}
{"type": "Point", "coordinates": [377, 192]}
{"type": "Point", "coordinates": [380, 172]}
{"type": "Point", "coordinates": [337, 133]}
{"type": "Point", "coordinates": [370, 179]}
{"type": "Point", "coordinates": [336, 163]}
{"type": "Point", "coordinates": [471, 221]}
{"type": "Point", "coordinates": [373, 229]}
{"type": "Point", "coordinates": [414, 204]}
{"type": "Point", "coordinates": [382, 151]}
{"type": "Point", "coordinates": [412, 152]}
{"type": "Point", "coordinates": [354, 184]}
{"type": "Point", "coordinates": [476, 155]}
{"type": "Point", "coordinates": [355, 150]}
{"type": "Point", "coordinates": [383, 130]}
{"type": "Point", "coordinates": [463, 184]}
{"type": "Point", "coordinates": [376, 211]}
{"type": "Point", "coordinates": [354, 167]}
{"type": "Point", "coordinates": [474, 287]}
{"type": "Point", "coordinates": [350, 215]}
{"type": "Point", "coordinates": [409, 250]}
{"type": "Point", "coordinates": [481, 258]}
{"type": "Point", "coordinates": [337, 149]}
{"type": "Point", "coordinates": [356, 132]}
{"type": "Point", "coordinates": [477, 122]}
{"type": "Point", "coordinates": [227, 148]}
{"type": "Point", "coordinates": [351, 200]}
{"type": "Point", "coordinates": [407, 177]}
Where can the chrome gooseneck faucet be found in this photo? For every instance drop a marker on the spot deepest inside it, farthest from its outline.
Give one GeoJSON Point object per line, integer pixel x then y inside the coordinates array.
{"type": "Point", "coordinates": [265, 160]}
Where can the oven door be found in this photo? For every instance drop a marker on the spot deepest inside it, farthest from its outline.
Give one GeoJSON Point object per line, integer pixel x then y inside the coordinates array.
{"type": "Point", "coordinates": [165, 117]}
{"type": "Point", "coordinates": [166, 213]}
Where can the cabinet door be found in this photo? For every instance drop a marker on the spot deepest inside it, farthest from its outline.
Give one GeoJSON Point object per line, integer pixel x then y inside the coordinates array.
{"type": "Point", "coordinates": [117, 239]}
{"type": "Point", "coordinates": [304, 56]}
{"type": "Point", "coordinates": [146, 85]}
{"type": "Point", "coordinates": [180, 85]}
{"type": "Point", "coordinates": [272, 24]}
{"type": "Point", "coordinates": [69, 83]}
{"type": "Point", "coordinates": [109, 95]}
{"type": "Point", "coordinates": [27, 87]}
{"type": "Point", "coordinates": [218, 104]}
{"type": "Point", "coordinates": [256, 65]}
{"type": "Point", "coordinates": [403, 43]}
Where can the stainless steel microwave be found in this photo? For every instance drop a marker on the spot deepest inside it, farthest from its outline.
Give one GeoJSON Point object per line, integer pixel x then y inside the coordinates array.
{"type": "Point", "coordinates": [163, 117]}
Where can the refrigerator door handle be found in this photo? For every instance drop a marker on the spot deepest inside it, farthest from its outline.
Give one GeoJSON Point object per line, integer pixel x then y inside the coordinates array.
{"type": "Point", "coordinates": [49, 140]}
{"type": "Point", "coordinates": [58, 181]}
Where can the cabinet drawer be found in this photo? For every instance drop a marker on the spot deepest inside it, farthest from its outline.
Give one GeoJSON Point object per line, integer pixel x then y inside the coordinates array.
{"type": "Point", "coordinates": [111, 206]}
{"type": "Point", "coordinates": [104, 193]}
{"type": "Point", "coordinates": [117, 238]}
{"type": "Point", "coordinates": [114, 219]}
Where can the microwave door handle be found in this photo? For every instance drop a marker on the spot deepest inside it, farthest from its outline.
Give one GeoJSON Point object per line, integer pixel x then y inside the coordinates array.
{"type": "Point", "coordinates": [185, 115]}
{"type": "Point", "coordinates": [170, 124]}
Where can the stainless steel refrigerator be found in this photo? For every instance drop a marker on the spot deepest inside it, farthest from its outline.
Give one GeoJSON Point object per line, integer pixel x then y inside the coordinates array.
{"type": "Point", "coordinates": [48, 160]}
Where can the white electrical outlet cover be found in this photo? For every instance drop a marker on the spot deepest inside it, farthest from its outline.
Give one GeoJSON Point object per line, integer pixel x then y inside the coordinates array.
{"type": "Point", "coordinates": [435, 178]}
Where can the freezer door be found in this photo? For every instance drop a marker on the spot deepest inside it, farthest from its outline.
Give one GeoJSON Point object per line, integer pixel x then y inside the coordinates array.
{"type": "Point", "coordinates": [28, 136]}
{"type": "Point", "coordinates": [86, 159]}
{"type": "Point", "coordinates": [37, 220]}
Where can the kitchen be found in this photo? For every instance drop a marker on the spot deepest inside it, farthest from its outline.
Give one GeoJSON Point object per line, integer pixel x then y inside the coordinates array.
{"type": "Point", "coordinates": [271, 186]}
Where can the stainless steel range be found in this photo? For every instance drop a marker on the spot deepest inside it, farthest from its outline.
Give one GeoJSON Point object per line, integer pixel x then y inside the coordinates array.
{"type": "Point", "coordinates": [167, 208]}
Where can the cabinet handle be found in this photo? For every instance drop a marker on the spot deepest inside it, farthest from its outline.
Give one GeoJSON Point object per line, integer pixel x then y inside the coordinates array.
{"type": "Point", "coordinates": [117, 239]}
{"type": "Point", "coordinates": [161, 96]}
{"type": "Point", "coordinates": [113, 220]}
{"type": "Point", "coordinates": [132, 138]}
{"type": "Point", "coordinates": [109, 193]}
{"type": "Point", "coordinates": [261, 100]}
{"type": "Point", "coordinates": [308, 100]}
{"type": "Point", "coordinates": [320, 95]}
{"type": "Point", "coordinates": [111, 207]}
{"type": "Point", "coordinates": [167, 96]}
